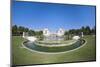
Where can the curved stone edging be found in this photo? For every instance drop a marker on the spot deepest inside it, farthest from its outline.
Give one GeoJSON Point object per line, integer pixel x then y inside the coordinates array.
{"type": "Point", "coordinates": [44, 45]}
{"type": "Point", "coordinates": [45, 49]}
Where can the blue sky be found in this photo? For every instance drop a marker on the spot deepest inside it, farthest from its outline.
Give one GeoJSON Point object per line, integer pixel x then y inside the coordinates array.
{"type": "Point", "coordinates": [53, 16]}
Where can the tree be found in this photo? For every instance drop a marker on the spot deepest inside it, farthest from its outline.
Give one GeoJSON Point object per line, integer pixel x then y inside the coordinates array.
{"type": "Point", "coordinates": [83, 29]}
{"type": "Point", "coordinates": [66, 33]}
{"type": "Point", "coordinates": [87, 30]}
{"type": "Point", "coordinates": [14, 30]}
{"type": "Point", "coordinates": [93, 30]}
{"type": "Point", "coordinates": [31, 33]}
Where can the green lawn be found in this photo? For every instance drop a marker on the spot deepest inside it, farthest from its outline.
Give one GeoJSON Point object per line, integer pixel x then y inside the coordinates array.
{"type": "Point", "coordinates": [22, 56]}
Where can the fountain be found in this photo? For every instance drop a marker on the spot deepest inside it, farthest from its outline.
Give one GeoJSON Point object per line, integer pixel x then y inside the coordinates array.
{"type": "Point", "coordinates": [52, 42]}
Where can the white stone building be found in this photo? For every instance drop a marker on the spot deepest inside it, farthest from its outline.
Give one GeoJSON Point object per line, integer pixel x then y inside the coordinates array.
{"type": "Point", "coordinates": [60, 32]}
{"type": "Point", "coordinates": [46, 32]}
{"type": "Point", "coordinates": [53, 35]}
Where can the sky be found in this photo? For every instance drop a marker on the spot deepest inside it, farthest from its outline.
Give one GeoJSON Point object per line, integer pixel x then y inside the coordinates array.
{"type": "Point", "coordinates": [37, 16]}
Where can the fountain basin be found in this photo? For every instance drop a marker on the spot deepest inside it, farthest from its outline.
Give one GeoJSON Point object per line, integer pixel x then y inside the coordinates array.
{"type": "Point", "coordinates": [61, 47]}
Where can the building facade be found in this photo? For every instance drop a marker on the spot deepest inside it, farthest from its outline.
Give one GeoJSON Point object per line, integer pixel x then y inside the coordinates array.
{"type": "Point", "coordinates": [53, 35]}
